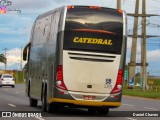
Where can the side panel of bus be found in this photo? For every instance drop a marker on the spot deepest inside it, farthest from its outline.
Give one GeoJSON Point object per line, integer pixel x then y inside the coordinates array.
{"type": "Point", "coordinates": [43, 57]}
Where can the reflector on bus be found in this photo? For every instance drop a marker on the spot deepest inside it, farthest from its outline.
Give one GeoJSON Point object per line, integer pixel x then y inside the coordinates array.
{"type": "Point", "coordinates": [70, 7]}
{"type": "Point", "coordinates": [95, 7]}
{"type": "Point", "coordinates": [120, 11]}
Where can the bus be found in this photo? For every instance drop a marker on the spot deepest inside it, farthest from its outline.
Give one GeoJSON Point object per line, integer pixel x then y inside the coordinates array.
{"type": "Point", "coordinates": [76, 57]}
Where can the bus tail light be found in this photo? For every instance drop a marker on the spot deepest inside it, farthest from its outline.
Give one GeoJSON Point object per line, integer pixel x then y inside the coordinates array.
{"type": "Point", "coordinates": [70, 7]}
{"type": "Point", "coordinates": [95, 7]}
{"type": "Point", "coordinates": [60, 83]}
{"type": "Point", "coordinates": [118, 86]}
{"type": "Point", "coordinates": [2, 79]}
{"type": "Point", "coordinates": [120, 11]}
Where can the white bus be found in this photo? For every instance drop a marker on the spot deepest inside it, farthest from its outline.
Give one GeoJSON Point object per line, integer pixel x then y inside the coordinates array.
{"type": "Point", "coordinates": [76, 58]}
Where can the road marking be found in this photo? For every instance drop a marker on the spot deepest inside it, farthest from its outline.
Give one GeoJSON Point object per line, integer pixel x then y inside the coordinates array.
{"type": "Point", "coordinates": [12, 105]}
{"type": "Point", "coordinates": [17, 92]}
{"type": "Point", "coordinates": [150, 108]}
{"type": "Point", "coordinates": [39, 118]}
{"type": "Point", "coordinates": [128, 105]}
{"type": "Point", "coordinates": [130, 118]}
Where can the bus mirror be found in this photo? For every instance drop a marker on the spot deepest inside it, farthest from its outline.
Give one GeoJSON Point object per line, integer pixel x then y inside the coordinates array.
{"type": "Point", "coordinates": [25, 52]}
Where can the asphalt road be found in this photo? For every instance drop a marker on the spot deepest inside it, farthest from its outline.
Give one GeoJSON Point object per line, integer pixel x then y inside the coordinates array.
{"type": "Point", "coordinates": [14, 99]}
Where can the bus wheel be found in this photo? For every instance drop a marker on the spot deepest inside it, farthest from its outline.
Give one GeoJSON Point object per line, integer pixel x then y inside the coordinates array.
{"type": "Point", "coordinates": [49, 108]}
{"type": "Point", "coordinates": [33, 102]}
{"type": "Point", "coordinates": [103, 110]}
{"type": "Point", "coordinates": [53, 107]}
{"type": "Point", "coordinates": [92, 111]}
{"type": "Point", "coordinates": [44, 101]}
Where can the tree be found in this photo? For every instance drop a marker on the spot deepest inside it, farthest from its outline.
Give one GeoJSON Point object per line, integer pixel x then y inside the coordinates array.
{"type": "Point", "coordinates": [3, 59]}
{"type": "Point", "coordinates": [126, 67]}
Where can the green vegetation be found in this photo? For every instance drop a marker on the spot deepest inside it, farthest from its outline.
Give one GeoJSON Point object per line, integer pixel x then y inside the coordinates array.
{"type": "Point", "coordinates": [140, 93]}
{"type": "Point", "coordinates": [3, 59]}
{"type": "Point", "coordinates": [152, 92]}
{"type": "Point", "coordinates": [156, 81]}
{"type": "Point", "coordinates": [19, 77]}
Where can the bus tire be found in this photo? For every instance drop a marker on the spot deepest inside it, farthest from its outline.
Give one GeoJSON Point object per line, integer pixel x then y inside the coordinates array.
{"type": "Point", "coordinates": [44, 99]}
{"type": "Point", "coordinates": [46, 107]}
{"type": "Point", "coordinates": [103, 110]}
{"type": "Point", "coordinates": [28, 91]}
{"type": "Point", "coordinates": [92, 111]}
{"type": "Point", "coordinates": [50, 108]}
{"type": "Point", "coordinates": [33, 102]}
{"type": "Point", "coordinates": [53, 107]}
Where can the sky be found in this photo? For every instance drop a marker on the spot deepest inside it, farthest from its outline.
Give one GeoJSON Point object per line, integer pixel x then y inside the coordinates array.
{"type": "Point", "coordinates": [15, 28]}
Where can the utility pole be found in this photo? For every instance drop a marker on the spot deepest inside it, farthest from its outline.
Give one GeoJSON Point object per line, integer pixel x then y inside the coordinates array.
{"type": "Point", "coordinates": [5, 53]}
{"type": "Point", "coordinates": [119, 4]}
{"type": "Point", "coordinates": [143, 46]}
{"type": "Point", "coordinates": [143, 63]}
{"type": "Point", "coordinates": [132, 63]}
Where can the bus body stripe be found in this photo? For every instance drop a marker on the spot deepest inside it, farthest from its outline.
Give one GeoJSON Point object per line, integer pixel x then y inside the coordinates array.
{"type": "Point", "coordinates": [86, 103]}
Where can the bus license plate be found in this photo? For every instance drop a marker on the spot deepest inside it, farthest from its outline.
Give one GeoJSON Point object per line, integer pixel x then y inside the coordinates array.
{"type": "Point", "coordinates": [89, 97]}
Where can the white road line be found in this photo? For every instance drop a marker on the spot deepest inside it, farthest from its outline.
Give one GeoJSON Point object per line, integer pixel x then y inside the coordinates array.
{"type": "Point", "coordinates": [39, 118]}
{"type": "Point", "coordinates": [17, 92]}
{"type": "Point", "coordinates": [128, 104]}
{"type": "Point", "coordinates": [130, 118]}
{"type": "Point", "coordinates": [150, 108]}
{"type": "Point", "coordinates": [12, 105]}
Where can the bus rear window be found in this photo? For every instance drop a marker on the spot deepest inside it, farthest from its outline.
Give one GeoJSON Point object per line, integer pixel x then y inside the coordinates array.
{"type": "Point", "coordinates": [93, 30]}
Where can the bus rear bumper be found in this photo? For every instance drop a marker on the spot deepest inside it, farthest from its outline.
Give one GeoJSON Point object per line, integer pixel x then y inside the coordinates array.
{"type": "Point", "coordinates": [84, 103]}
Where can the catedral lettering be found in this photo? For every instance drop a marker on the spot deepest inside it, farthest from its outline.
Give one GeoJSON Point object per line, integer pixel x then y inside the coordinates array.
{"type": "Point", "coordinates": [92, 41]}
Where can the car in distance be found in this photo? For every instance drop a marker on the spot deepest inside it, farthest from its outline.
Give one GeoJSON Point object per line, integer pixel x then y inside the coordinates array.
{"type": "Point", "coordinates": [7, 80]}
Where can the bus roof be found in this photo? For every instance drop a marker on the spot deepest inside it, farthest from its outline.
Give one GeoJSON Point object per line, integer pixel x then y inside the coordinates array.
{"type": "Point", "coordinates": [76, 6]}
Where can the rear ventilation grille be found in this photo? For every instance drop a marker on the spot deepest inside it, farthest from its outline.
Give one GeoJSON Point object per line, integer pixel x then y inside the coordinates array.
{"type": "Point", "coordinates": [92, 57]}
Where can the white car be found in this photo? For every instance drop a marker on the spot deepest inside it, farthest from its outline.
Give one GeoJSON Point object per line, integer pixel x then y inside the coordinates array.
{"type": "Point", "coordinates": [7, 80]}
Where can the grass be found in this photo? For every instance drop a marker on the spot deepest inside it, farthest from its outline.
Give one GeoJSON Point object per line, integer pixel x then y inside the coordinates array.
{"type": "Point", "coordinates": [140, 93]}
{"type": "Point", "coordinates": [153, 92]}
{"type": "Point", "coordinates": [19, 78]}
{"type": "Point", "coordinates": [20, 82]}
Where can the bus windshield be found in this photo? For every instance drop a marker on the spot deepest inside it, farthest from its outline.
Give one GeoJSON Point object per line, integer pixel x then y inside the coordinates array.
{"type": "Point", "coordinates": [91, 29]}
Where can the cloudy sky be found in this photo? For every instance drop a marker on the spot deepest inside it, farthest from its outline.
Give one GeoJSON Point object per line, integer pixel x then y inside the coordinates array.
{"type": "Point", "coordinates": [15, 28]}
